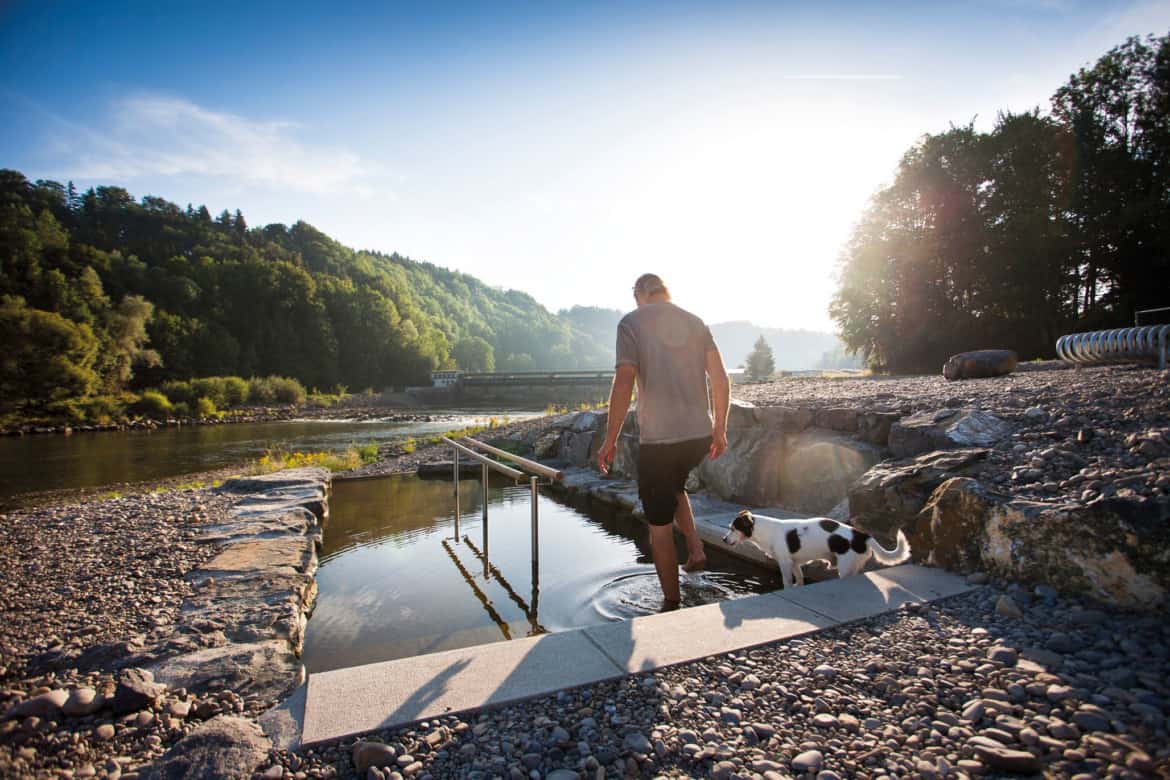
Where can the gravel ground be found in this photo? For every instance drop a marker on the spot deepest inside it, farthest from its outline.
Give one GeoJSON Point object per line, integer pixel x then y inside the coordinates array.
{"type": "Point", "coordinates": [977, 685]}
{"type": "Point", "coordinates": [83, 586]}
{"type": "Point", "coordinates": [1079, 433]}
{"type": "Point", "coordinates": [955, 689]}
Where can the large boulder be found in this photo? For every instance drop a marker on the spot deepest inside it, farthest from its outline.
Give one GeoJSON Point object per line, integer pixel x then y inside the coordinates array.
{"type": "Point", "coordinates": [222, 747]}
{"type": "Point", "coordinates": [889, 496]}
{"type": "Point", "coordinates": [980, 363]}
{"type": "Point", "coordinates": [1113, 550]}
{"type": "Point", "coordinates": [945, 429]}
{"type": "Point", "coordinates": [579, 448]}
{"type": "Point", "coordinates": [874, 425]}
{"type": "Point", "coordinates": [950, 528]}
{"type": "Point", "coordinates": [806, 472]}
{"type": "Point", "coordinates": [733, 474]}
{"type": "Point", "coordinates": [1116, 550]}
{"type": "Point", "coordinates": [814, 471]}
{"type": "Point", "coordinates": [790, 419]}
{"type": "Point", "coordinates": [625, 458]}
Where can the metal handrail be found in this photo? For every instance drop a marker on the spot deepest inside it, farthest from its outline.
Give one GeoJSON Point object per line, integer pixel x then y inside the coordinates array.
{"type": "Point", "coordinates": [530, 465]}
{"type": "Point", "coordinates": [486, 461]}
{"type": "Point", "coordinates": [1137, 315]}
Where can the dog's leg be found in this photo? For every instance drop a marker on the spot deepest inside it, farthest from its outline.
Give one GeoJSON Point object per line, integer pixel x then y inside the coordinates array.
{"type": "Point", "coordinates": [847, 564]}
{"type": "Point", "coordinates": [785, 569]}
{"type": "Point", "coordinates": [798, 572]}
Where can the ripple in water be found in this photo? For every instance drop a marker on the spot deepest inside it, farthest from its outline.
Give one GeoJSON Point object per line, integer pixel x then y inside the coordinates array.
{"type": "Point", "coordinates": [636, 592]}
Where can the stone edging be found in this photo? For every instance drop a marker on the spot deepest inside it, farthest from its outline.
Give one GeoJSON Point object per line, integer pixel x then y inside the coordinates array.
{"type": "Point", "coordinates": [254, 597]}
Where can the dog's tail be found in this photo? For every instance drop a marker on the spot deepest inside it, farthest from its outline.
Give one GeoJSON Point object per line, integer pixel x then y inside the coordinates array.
{"type": "Point", "coordinates": [899, 554]}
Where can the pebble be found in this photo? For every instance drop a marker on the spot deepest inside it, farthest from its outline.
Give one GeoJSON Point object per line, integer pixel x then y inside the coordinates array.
{"type": "Point", "coordinates": [1007, 607]}
{"type": "Point", "coordinates": [808, 761]}
{"type": "Point", "coordinates": [905, 693]}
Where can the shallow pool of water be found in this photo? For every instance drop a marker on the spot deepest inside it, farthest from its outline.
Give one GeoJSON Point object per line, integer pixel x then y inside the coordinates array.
{"type": "Point", "coordinates": [395, 582]}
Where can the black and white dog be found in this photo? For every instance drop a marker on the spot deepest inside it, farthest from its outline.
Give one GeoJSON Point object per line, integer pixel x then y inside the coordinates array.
{"type": "Point", "coordinates": [794, 543]}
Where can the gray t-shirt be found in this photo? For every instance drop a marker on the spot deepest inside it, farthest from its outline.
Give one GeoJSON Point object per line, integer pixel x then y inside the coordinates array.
{"type": "Point", "coordinates": [668, 346]}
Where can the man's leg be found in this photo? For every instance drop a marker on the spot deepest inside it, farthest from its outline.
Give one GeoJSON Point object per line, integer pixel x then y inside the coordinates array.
{"type": "Point", "coordinates": [685, 517]}
{"type": "Point", "coordinates": [665, 560]}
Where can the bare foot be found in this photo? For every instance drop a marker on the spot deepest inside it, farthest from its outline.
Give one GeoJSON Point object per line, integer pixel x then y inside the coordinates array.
{"type": "Point", "coordinates": [669, 606]}
{"type": "Point", "coordinates": [694, 564]}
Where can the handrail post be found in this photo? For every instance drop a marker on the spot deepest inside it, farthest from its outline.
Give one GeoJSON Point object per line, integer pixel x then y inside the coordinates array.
{"type": "Point", "coordinates": [484, 479]}
{"type": "Point", "coordinates": [535, 529]}
{"type": "Point", "coordinates": [456, 493]}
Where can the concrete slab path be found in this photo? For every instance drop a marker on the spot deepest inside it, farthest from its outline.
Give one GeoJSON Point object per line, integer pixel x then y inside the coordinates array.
{"type": "Point", "coordinates": [360, 699]}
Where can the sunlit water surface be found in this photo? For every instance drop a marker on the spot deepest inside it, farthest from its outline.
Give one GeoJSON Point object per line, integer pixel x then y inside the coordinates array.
{"type": "Point", "coordinates": [50, 462]}
{"type": "Point", "coordinates": [394, 582]}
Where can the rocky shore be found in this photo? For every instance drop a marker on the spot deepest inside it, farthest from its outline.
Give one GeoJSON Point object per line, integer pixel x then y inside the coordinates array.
{"type": "Point", "coordinates": [1009, 680]}
{"type": "Point", "coordinates": [258, 414]}
{"type": "Point", "coordinates": [141, 627]}
{"type": "Point", "coordinates": [966, 687]}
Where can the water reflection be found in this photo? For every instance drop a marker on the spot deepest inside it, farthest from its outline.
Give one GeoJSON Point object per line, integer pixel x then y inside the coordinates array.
{"type": "Point", "coordinates": [395, 582]}
{"type": "Point", "coordinates": [34, 463]}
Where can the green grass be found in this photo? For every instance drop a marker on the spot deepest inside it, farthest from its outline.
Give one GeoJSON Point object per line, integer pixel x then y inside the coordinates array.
{"type": "Point", "coordinates": [278, 459]}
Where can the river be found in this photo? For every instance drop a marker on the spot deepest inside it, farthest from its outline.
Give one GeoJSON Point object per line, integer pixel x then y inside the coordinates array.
{"type": "Point", "coordinates": [83, 460]}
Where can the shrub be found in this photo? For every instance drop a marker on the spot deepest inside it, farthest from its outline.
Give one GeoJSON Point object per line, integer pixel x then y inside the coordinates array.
{"type": "Point", "coordinates": [181, 409]}
{"type": "Point", "coordinates": [260, 391]}
{"type": "Point", "coordinates": [276, 389]}
{"type": "Point", "coordinates": [154, 404]}
{"type": "Point", "coordinates": [235, 391]}
{"type": "Point", "coordinates": [206, 407]}
{"type": "Point", "coordinates": [178, 392]}
{"type": "Point", "coordinates": [287, 390]}
{"type": "Point", "coordinates": [368, 452]}
{"type": "Point", "coordinates": [71, 409]}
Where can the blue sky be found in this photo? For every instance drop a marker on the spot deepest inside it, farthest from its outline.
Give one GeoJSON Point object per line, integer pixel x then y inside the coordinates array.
{"type": "Point", "coordinates": [556, 148]}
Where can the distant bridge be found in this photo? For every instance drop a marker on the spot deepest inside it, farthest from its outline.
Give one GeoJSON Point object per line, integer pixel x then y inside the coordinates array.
{"type": "Point", "coordinates": [538, 379]}
{"type": "Point", "coordinates": [525, 388]}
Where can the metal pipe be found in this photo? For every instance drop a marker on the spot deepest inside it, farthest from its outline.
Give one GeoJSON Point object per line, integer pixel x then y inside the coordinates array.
{"type": "Point", "coordinates": [529, 465]}
{"type": "Point", "coordinates": [1137, 315]}
{"type": "Point", "coordinates": [535, 527]}
{"type": "Point", "coordinates": [486, 573]}
{"type": "Point", "coordinates": [485, 460]}
{"type": "Point", "coordinates": [1144, 344]}
{"type": "Point", "coordinates": [456, 495]}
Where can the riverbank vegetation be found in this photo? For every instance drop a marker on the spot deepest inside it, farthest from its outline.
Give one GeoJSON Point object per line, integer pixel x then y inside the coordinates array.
{"type": "Point", "coordinates": [1053, 222]}
{"type": "Point", "coordinates": [346, 460]}
{"type": "Point", "coordinates": [102, 296]}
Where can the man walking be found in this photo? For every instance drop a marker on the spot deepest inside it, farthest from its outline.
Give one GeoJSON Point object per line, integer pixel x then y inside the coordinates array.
{"type": "Point", "coordinates": [671, 356]}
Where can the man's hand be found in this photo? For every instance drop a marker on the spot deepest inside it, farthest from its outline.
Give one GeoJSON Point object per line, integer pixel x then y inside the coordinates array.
{"type": "Point", "coordinates": [718, 442]}
{"type": "Point", "coordinates": [605, 456]}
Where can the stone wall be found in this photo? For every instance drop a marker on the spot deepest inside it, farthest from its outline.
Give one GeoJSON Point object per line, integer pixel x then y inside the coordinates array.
{"type": "Point", "coordinates": [249, 605]}
{"type": "Point", "coordinates": [931, 474]}
{"type": "Point", "coordinates": [798, 458]}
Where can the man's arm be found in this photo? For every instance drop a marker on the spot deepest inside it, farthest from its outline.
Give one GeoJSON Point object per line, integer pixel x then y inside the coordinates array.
{"type": "Point", "coordinates": [619, 404]}
{"type": "Point", "coordinates": [720, 399]}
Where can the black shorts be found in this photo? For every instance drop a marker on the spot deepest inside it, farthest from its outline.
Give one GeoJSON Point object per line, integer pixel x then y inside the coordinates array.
{"type": "Point", "coordinates": [662, 474]}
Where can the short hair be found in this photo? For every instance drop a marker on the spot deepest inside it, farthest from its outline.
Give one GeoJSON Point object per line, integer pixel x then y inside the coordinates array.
{"type": "Point", "coordinates": [648, 284]}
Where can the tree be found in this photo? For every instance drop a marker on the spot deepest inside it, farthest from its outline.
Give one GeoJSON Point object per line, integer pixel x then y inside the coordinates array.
{"type": "Point", "coordinates": [473, 353]}
{"type": "Point", "coordinates": [46, 357]}
{"type": "Point", "coordinates": [125, 342]}
{"type": "Point", "coordinates": [760, 362]}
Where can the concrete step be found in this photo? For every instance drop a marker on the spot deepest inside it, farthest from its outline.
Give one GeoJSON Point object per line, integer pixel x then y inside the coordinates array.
{"type": "Point", "coordinates": [360, 699]}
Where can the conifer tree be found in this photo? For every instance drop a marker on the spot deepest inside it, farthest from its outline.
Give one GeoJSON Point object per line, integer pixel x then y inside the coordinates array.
{"type": "Point", "coordinates": [760, 362]}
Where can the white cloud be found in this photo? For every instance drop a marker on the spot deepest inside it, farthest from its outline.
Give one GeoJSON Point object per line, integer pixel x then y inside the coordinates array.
{"type": "Point", "coordinates": [169, 136]}
{"type": "Point", "coordinates": [845, 77]}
